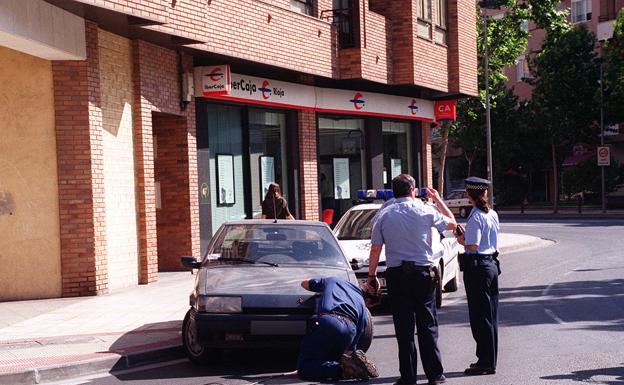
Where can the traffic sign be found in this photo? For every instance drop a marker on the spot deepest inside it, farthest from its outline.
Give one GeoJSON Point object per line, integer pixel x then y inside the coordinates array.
{"type": "Point", "coordinates": [604, 156]}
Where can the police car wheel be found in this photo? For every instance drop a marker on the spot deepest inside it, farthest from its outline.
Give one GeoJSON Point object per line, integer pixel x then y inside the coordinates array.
{"type": "Point", "coordinates": [452, 284]}
{"type": "Point", "coordinates": [194, 350]}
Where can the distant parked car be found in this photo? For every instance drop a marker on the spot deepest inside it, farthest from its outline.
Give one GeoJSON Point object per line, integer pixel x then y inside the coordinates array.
{"type": "Point", "coordinates": [247, 291]}
{"type": "Point", "coordinates": [457, 202]}
{"type": "Point", "coordinates": [354, 234]}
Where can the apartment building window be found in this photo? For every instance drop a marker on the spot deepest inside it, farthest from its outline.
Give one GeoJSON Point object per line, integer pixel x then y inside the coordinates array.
{"type": "Point", "coordinates": [581, 10]}
{"type": "Point", "coordinates": [440, 21]}
{"type": "Point", "coordinates": [303, 6]}
{"type": "Point", "coordinates": [424, 18]}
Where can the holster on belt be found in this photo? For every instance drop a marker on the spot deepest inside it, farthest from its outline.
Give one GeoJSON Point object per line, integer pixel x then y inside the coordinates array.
{"type": "Point", "coordinates": [409, 267]}
{"type": "Point", "coordinates": [496, 261]}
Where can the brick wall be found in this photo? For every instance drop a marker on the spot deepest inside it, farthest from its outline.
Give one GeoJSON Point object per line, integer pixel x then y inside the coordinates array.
{"type": "Point", "coordinates": [116, 88]}
{"type": "Point", "coordinates": [157, 89]}
{"type": "Point", "coordinates": [308, 174]}
{"type": "Point", "coordinates": [462, 43]}
{"type": "Point", "coordinates": [171, 167]}
{"type": "Point", "coordinates": [78, 121]}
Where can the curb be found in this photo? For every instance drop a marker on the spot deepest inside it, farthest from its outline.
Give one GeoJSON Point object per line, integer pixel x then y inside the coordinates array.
{"type": "Point", "coordinates": [552, 216]}
{"type": "Point", "coordinates": [535, 244]}
{"type": "Point", "coordinates": [106, 364]}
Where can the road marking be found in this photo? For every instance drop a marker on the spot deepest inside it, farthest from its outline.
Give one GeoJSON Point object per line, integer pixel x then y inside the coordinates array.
{"type": "Point", "coordinates": [554, 316]}
{"type": "Point", "coordinates": [547, 289]}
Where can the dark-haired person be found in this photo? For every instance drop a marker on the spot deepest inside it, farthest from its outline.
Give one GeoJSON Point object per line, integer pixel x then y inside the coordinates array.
{"type": "Point", "coordinates": [481, 275]}
{"type": "Point", "coordinates": [404, 227]}
{"type": "Point", "coordinates": [274, 205]}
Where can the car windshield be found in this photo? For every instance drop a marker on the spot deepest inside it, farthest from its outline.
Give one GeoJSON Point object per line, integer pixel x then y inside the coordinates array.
{"type": "Point", "coordinates": [280, 245]}
{"type": "Point", "coordinates": [357, 225]}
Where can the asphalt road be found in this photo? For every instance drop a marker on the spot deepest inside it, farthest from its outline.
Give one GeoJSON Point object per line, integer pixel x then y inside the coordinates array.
{"type": "Point", "coordinates": [561, 321]}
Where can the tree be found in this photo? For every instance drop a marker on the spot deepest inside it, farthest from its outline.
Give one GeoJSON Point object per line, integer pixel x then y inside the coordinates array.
{"type": "Point", "coordinates": [614, 74]}
{"type": "Point", "coordinates": [564, 99]}
{"type": "Point", "coordinates": [506, 41]}
{"type": "Point", "coordinates": [585, 176]}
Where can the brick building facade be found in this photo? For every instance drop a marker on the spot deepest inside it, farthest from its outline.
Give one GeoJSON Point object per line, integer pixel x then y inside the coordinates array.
{"type": "Point", "coordinates": [146, 169]}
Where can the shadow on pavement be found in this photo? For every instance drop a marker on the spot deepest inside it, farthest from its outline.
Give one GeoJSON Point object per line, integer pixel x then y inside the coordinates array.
{"type": "Point", "coordinates": [587, 376]}
{"type": "Point", "coordinates": [248, 365]}
{"type": "Point", "coordinates": [579, 301]}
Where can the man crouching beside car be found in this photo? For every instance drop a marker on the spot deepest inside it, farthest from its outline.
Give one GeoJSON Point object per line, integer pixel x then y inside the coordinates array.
{"type": "Point", "coordinates": [329, 351]}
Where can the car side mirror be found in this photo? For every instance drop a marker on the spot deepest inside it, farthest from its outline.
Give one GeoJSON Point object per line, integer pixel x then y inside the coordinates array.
{"type": "Point", "coordinates": [356, 265]}
{"type": "Point", "coordinates": [190, 262]}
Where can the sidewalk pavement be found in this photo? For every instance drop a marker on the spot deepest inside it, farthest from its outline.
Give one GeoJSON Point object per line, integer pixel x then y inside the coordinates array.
{"type": "Point", "coordinates": [55, 339]}
{"type": "Point", "coordinates": [567, 212]}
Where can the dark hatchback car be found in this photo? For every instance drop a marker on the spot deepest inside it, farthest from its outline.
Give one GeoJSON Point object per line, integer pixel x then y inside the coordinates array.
{"type": "Point", "coordinates": [247, 290]}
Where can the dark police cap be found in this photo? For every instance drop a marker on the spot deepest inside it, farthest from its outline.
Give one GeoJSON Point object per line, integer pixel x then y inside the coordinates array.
{"type": "Point", "coordinates": [476, 183]}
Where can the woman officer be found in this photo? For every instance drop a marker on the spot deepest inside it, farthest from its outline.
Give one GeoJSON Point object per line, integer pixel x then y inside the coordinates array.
{"type": "Point", "coordinates": [480, 266]}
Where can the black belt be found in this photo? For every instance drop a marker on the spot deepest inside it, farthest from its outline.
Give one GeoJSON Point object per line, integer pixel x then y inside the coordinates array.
{"type": "Point", "coordinates": [412, 265]}
{"type": "Point", "coordinates": [481, 256]}
{"type": "Point", "coordinates": [340, 316]}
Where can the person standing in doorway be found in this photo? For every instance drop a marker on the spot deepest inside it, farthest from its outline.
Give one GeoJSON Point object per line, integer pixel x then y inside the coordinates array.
{"type": "Point", "coordinates": [404, 227]}
{"type": "Point", "coordinates": [274, 205]}
{"type": "Point", "coordinates": [481, 270]}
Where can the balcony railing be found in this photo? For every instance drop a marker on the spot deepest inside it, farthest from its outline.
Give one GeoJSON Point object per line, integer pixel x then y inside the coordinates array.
{"type": "Point", "coordinates": [344, 21]}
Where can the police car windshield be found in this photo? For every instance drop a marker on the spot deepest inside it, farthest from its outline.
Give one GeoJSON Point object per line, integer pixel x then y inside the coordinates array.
{"type": "Point", "coordinates": [357, 225]}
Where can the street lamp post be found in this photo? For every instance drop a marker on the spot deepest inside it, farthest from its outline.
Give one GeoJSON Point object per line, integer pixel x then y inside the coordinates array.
{"type": "Point", "coordinates": [488, 125]}
{"type": "Point", "coordinates": [602, 168]}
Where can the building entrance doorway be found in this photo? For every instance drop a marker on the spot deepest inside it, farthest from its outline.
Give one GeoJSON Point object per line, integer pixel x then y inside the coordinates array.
{"type": "Point", "coordinates": [342, 164]}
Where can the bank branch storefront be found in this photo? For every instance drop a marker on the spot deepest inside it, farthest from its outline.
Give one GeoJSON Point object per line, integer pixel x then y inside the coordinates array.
{"type": "Point", "coordinates": [252, 131]}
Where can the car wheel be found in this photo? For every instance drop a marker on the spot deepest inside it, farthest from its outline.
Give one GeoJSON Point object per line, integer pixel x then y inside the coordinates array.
{"type": "Point", "coordinates": [438, 293]}
{"type": "Point", "coordinates": [195, 351]}
{"type": "Point", "coordinates": [452, 284]}
{"type": "Point", "coordinates": [367, 338]}
{"type": "Point", "coordinates": [463, 212]}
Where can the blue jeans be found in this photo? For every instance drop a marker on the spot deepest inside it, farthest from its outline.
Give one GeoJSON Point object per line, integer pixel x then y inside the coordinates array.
{"type": "Point", "coordinates": [321, 349]}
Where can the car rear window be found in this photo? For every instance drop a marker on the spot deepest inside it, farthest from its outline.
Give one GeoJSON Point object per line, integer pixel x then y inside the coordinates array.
{"type": "Point", "coordinates": [283, 244]}
{"type": "Point", "coordinates": [356, 225]}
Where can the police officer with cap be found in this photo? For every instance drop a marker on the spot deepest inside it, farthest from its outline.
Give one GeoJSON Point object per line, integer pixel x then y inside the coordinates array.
{"type": "Point", "coordinates": [404, 227]}
{"type": "Point", "coordinates": [481, 269]}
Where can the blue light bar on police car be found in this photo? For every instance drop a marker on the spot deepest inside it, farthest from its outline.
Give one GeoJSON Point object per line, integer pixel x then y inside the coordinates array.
{"type": "Point", "coordinates": [374, 194]}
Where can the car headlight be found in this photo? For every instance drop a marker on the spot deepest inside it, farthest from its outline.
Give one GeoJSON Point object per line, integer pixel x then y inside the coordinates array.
{"type": "Point", "coordinates": [219, 304]}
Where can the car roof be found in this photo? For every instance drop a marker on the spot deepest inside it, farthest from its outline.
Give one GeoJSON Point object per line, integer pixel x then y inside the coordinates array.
{"type": "Point", "coordinates": [280, 222]}
{"type": "Point", "coordinates": [366, 206]}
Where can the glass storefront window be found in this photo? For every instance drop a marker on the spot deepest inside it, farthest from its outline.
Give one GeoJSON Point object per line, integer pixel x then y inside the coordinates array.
{"type": "Point", "coordinates": [342, 164]}
{"type": "Point", "coordinates": [267, 147]}
{"type": "Point", "coordinates": [396, 150]}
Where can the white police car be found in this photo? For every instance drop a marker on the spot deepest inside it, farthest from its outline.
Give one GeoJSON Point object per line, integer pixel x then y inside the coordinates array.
{"type": "Point", "coordinates": [354, 235]}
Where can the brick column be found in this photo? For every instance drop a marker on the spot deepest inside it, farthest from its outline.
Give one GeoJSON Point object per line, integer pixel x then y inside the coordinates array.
{"type": "Point", "coordinates": [308, 177]}
{"type": "Point", "coordinates": [462, 47]}
{"type": "Point", "coordinates": [78, 121]}
{"type": "Point", "coordinates": [157, 90]}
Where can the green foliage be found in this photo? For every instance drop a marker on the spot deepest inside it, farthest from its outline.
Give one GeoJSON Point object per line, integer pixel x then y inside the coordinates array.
{"type": "Point", "coordinates": [566, 87]}
{"type": "Point", "coordinates": [614, 73]}
{"type": "Point", "coordinates": [585, 176]}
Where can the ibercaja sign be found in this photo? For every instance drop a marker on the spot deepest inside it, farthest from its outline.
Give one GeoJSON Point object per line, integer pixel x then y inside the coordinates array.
{"type": "Point", "coordinates": [213, 80]}
{"type": "Point", "coordinates": [445, 110]}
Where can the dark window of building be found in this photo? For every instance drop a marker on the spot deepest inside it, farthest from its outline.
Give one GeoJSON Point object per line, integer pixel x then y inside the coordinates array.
{"type": "Point", "coordinates": [396, 151]}
{"type": "Point", "coordinates": [304, 6]}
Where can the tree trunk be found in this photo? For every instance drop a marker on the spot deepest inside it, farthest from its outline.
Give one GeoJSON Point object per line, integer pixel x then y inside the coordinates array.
{"type": "Point", "coordinates": [469, 159]}
{"type": "Point", "coordinates": [555, 178]}
{"type": "Point", "coordinates": [443, 148]}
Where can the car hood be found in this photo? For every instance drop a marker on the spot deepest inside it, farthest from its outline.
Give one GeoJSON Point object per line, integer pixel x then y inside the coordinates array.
{"type": "Point", "coordinates": [265, 286]}
{"type": "Point", "coordinates": [360, 250]}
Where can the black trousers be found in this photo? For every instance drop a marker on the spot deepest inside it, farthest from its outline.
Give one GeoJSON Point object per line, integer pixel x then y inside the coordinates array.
{"type": "Point", "coordinates": [481, 282]}
{"type": "Point", "coordinates": [411, 293]}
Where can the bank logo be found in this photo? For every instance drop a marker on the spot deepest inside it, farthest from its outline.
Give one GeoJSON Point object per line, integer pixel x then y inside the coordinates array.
{"type": "Point", "coordinates": [266, 91]}
{"type": "Point", "coordinates": [413, 107]}
{"type": "Point", "coordinates": [358, 102]}
{"type": "Point", "coordinates": [216, 74]}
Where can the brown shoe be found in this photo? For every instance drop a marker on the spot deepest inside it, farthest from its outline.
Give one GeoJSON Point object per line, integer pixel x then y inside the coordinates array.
{"type": "Point", "coordinates": [361, 358]}
{"type": "Point", "coordinates": [352, 369]}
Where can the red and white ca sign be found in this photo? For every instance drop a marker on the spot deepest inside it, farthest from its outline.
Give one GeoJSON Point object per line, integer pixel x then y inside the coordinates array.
{"type": "Point", "coordinates": [604, 156]}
